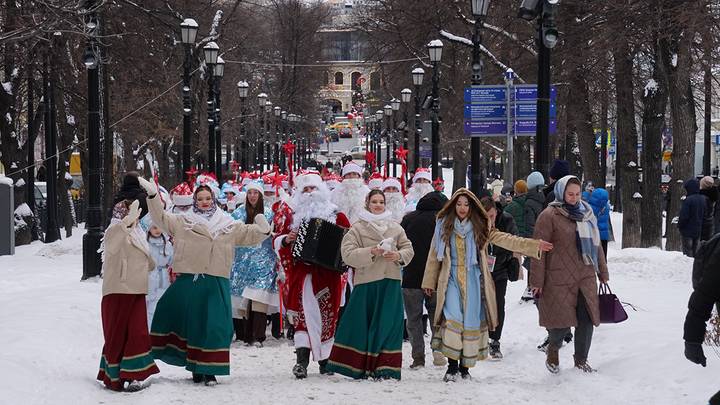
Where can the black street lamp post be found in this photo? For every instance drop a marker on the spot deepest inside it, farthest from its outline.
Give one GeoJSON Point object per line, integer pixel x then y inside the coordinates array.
{"type": "Point", "coordinates": [284, 139]}
{"type": "Point", "coordinates": [417, 74]}
{"type": "Point", "coordinates": [395, 103]}
{"type": "Point", "coordinates": [479, 10]}
{"type": "Point", "coordinates": [92, 262]}
{"type": "Point", "coordinates": [388, 137]}
{"type": "Point", "coordinates": [243, 88]}
{"type": "Point", "coordinates": [211, 51]}
{"type": "Point", "coordinates": [260, 141]}
{"type": "Point", "coordinates": [435, 50]}
{"type": "Point", "coordinates": [218, 72]}
{"type": "Point", "coordinates": [378, 140]}
{"type": "Point", "coordinates": [405, 96]}
{"type": "Point", "coordinates": [268, 138]}
{"type": "Point", "coordinates": [276, 155]}
{"type": "Point", "coordinates": [188, 30]}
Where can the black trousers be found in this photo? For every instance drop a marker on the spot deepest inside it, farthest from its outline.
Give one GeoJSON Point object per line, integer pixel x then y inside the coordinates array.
{"type": "Point", "coordinates": [500, 290]}
{"type": "Point", "coordinates": [604, 245]}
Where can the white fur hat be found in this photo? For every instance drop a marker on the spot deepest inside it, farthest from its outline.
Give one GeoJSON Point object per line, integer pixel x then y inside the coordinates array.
{"type": "Point", "coordinates": [254, 185]}
{"type": "Point", "coordinates": [422, 173]}
{"type": "Point", "coordinates": [268, 187]}
{"type": "Point", "coordinates": [391, 182]}
{"type": "Point", "coordinates": [352, 167]}
{"type": "Point", "coordinates": [375, 184]}
{"type": "Point", "coordinates": [308, 179]}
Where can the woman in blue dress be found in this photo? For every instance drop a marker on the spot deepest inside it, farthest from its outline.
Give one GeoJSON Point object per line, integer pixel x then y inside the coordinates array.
{"type": "Point", "coordinates": [253, 278]}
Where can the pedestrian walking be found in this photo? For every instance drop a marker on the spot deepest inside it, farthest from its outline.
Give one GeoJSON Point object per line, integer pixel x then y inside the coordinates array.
{"type": "Point", "coordinates": [368, 341]}
{"type": "Point", "coordinates": [691, 218]}
{"type": "Point", "coordinates": [419, 226]}
{"type": "Point", "coordinates": [564, 280]}
{"type": "Point", "coordinates": [458, 269]}
{"type": "Point", "coordinates": [599, 201]}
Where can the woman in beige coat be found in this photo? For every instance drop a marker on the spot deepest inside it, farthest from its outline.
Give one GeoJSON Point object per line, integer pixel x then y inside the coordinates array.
{"type": "Point", "coordinates": [565, 279]}
{"type": "Point", "coordinates": [192, 326]}
{"type": "Point", "coordinates": [458, 267]}
{"type": "Point", "coordinates": [368, 341]}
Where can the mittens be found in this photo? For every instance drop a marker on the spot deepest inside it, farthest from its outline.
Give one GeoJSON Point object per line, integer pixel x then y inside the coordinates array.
{"type": "Point", "coordinates": [694, 353]}
{"type": "Point", "coordinates": [262, 223]}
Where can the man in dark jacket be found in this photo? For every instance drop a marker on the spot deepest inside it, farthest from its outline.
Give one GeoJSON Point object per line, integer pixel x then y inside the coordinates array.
{"type": "Point", "coordinates": [691, 217]}
{"type": "Point", "coordinates": [705, 295]}
{"type": "Point", "coordinates": [708, 189]}
{"type": "Point", "coordinates": [559, 169]}
{"type": "Point", "coordinates": [419, 226]}
{"type": "Point", "coordinates": [503, 264]}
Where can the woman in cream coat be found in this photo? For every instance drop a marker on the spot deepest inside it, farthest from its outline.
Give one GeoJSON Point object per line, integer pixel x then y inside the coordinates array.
{"type": "Point", "coordinates": [192, 326]}
{"type": "Point", "coordinates": [458, 267]}
{"type": "Point", "coordinates": [368, 341]}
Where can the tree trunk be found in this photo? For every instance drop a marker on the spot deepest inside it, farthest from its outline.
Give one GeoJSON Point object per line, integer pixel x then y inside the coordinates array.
{"type": "Point", "coordinates": [676, 58]}
{"type": "Point", "coordinates": [521, 165]}
{"type": "Point", "coordinates": [653, 124]}
{"type": "Point", "coordinates": [580, 123]}
{"type": "Point", "coordinates": [627, 162]}
{"type": "Point", "coordinates": [64, 146]}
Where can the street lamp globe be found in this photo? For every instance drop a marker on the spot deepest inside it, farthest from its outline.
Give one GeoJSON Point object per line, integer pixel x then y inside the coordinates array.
{"type": "Point", "coordinates": [277, 111]}
{"type": "Point", "coordinates": [417, 75]}
{"type": "Point", "coordinates": [188, 31]}
{"type": "Point", "coordinates": [435, 48]}
{"type": "Point", "coordinates": [243, 88]}
{"type": "Point", "coordinates": [268, 106]}
{"type": "Point", "coordinates": [211, 53]}
{"type": "Point", "coordinates": [262, 98]}
{"type": "Point", "coordinates": [395, 104]}
{"type": "Point", "coordinates": [219, 68]}
{"type": "Point", "coordinates": [388, 110]}
{"type": "Point", "coordinates": [405, 95]}
{"type": "Point", "coordinates": [480, 7]}
{"type": "Point", "coordinates": [283, 115]}
{"type": "Point", "coordinates": [379, 115]}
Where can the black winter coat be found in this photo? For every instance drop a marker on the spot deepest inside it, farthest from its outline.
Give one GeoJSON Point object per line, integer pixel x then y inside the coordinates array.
{"type": "Point", "coordinates": [549, 192]}
{"type": "Point", "coordinates": [419, 227]}
{"type": "Point", "coordinates": [506, 223]}
{"type": "Point", "coordinates": [708, 225]}
{"type": "Point", "coordinates": [534, 205]}
{"type": "Point", "coordinates": [692, 211]}
{"type": "Point", "coordinates": [706, 292]}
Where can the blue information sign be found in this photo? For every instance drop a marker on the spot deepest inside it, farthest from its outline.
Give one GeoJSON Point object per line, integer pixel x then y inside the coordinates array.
{"type": "Point", "coordinates": [479, 128]}
{"type": "Point", "coordinates": [484, 94]}
{"type": "Point", "coordinates": [529, 127]}
{"type": "Point", "coordinates": [485, 111]}
{"type": "Point", "coordinates": [425, 152]}
{"type": "Point", "coordinates": [526, 110]}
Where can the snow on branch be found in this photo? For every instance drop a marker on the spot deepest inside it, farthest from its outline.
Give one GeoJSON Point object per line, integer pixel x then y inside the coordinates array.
{"type": "Point", "coordinates": [493, 58]}
{"type": "Point", "coordinates": [497, 30]}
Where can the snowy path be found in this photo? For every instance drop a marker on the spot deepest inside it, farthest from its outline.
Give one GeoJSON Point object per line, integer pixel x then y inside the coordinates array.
{"type": "Point", "coordinates": [51, 338]}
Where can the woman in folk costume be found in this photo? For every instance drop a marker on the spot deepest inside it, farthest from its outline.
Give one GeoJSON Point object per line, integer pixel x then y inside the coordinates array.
{"type": "Point", "coordinates": [368, 342]}
{"type": "Point", "coordinates": [394, 199]}
{"type": "Point", "coordinates": [313, 293]}
{"type": "Point", "coordinates": [565, 280]}
{"type": "Point", "coordinates": [458, 268]}
{"type": "Point", "coordinates": [192, 326]}
{"type": "Point", "coordinates": [126, 357]}
{"type": "Point", "coordinates": [253, 279]}
{"type": "Point", "coordinates": [161, 251]}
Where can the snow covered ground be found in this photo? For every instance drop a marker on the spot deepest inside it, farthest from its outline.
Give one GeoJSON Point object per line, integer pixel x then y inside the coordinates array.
{"type": "Point", "coordinates": [51, 338]}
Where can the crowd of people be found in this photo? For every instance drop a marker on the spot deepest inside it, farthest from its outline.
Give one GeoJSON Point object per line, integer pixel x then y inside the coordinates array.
{"type": "Point", "coordinates": [188, 270]}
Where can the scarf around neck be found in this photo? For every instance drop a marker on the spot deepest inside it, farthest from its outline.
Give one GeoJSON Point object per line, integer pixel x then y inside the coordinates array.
{"type": "Point", "coordinates": [464, 230]}
{"type": "Point", "coordinates": [587, 234]}
{"type": "Point", "coordinates": [379, 222]}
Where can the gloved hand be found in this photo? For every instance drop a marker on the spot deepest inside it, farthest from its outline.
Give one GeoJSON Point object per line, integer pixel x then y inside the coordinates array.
{"type": "Point", "coordinates": [281, 274]}
{"type": "Point", "coordinates": [694, 353]}
{"type": "Point", "coordinates": [231, 205]}
{"type": "Point", "coordinates": [133, 214]}
{"type": "Point", "coordinates": [148, 186]}
{"type": "Point", "coordinates": [262, 223]}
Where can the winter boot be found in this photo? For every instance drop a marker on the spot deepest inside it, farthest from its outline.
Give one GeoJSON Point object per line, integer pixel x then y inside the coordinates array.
{"type": "Point", "coordinates": [553, 359]}
{"type": "Point", "coordinates": [452, 371]}
{"type": "Point", "coordinates": [417, 363]}
{"type": "Point", "coordinates": [198, 378]}
{"type": "Point", "coordinates": [495, 353]}
{"type": "Point", "coordinates": [465, 373]}
{"type": "Point", "coordinates": [582, 365]}
{"type": "Point", "coordinates": [275, 326]}
{"type": "Point", "coordinates": [439, 359]}
{"type": "Point", "coordinates": [135, 386]}
{"type": "Point", "coordinates": [259, 325]}
{"type": "Point", "coordinates": [323, 367]}
{"type": "Point", "coordinates": [239, 326]}
{"type": "Point", "coordinates": [210, 380]}
{"type": "Point", "coordinates": [543, 346]}
{"type": "Point", "coordinates": [303, 360]}
{"type": "Point", "coordinates": [568, 337]}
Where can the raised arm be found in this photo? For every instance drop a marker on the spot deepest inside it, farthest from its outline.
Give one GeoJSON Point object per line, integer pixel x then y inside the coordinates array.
{"type": "Point", "coordinates": [253, 234]}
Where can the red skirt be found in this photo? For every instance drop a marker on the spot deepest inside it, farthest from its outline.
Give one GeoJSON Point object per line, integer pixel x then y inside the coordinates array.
{"type": "Point", "coordinates": [126, 353]}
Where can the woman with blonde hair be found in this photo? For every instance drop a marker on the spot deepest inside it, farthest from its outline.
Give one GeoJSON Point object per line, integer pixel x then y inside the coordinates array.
{"type": "Point", "coordinates": [459, 267]}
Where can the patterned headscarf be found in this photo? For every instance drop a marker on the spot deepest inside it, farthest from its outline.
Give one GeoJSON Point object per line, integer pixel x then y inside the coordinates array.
{"type": "Point", "coordinates": [120, 210]}
{"type": "Point", "coordinates": [208, 213]}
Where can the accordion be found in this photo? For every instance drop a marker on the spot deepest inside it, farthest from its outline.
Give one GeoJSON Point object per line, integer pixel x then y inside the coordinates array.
{"type": "Point", "coordinates": [318, 243]}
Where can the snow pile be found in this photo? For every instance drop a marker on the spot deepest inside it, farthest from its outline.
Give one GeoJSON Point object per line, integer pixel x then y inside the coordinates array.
{"type": "Point", "coordinates": [52, 339]}
{"type": "Point", "coordinates": [23, 210]}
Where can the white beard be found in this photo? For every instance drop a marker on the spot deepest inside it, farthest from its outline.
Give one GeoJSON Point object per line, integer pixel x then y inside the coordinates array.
{"type": "Point", "coordinates": [312, 205]}
{"type": "Point", "coordinates": [350, 196]}
{"type": "Point", "coordinates": [416, 192]}
{"type": "Point", "coordinates": [395, 203]}
{"type": "Point", "coordinates": [269, 201]}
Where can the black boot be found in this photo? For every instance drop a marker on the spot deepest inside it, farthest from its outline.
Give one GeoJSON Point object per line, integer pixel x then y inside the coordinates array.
{"type": "Point", "coordinates": [452, 371]}
{"type": "Point", "coordinates": [198, 378]}
{"type": "Point", "coordinates": [323, 367]}
{"type": "Point", "coordinates": [464, 373]}
{"type": "Point", "coordinates": [239, 326]}
{"type": "Point", "coordinates": [210, 380]}
{"type": "Point", "coordinates": [303, 360]}
{"type": "Point", "coordinates": [259, 325]}
{"type": "Point", "coordinates": [275, 326]}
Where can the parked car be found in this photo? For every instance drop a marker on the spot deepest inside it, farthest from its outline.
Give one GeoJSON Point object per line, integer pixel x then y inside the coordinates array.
{"type": "Point", "coordinates": [357, 152]}
{"type": "Point", "coordinates": [346, 133]}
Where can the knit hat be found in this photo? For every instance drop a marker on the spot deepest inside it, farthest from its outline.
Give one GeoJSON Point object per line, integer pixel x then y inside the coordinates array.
{"type": "Point", "coordinates": [182, 195]}
{"type": "Point", "coordinates": [422, 173]}
{"type": "Point", "coordinates": [521, 187]}
{"type": "Point", "coordinates": [559, 169]}
{"type": "Point", "coordinates": [351, 167]}
{"type": "Point", "coordinates": [707, 183]}
{"type": "Point", "coordinates": [535, 179]}
{"type": "Point", "coordinates": [376, 181]}
{"type": "Point", "coordinates": [391, 182]}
